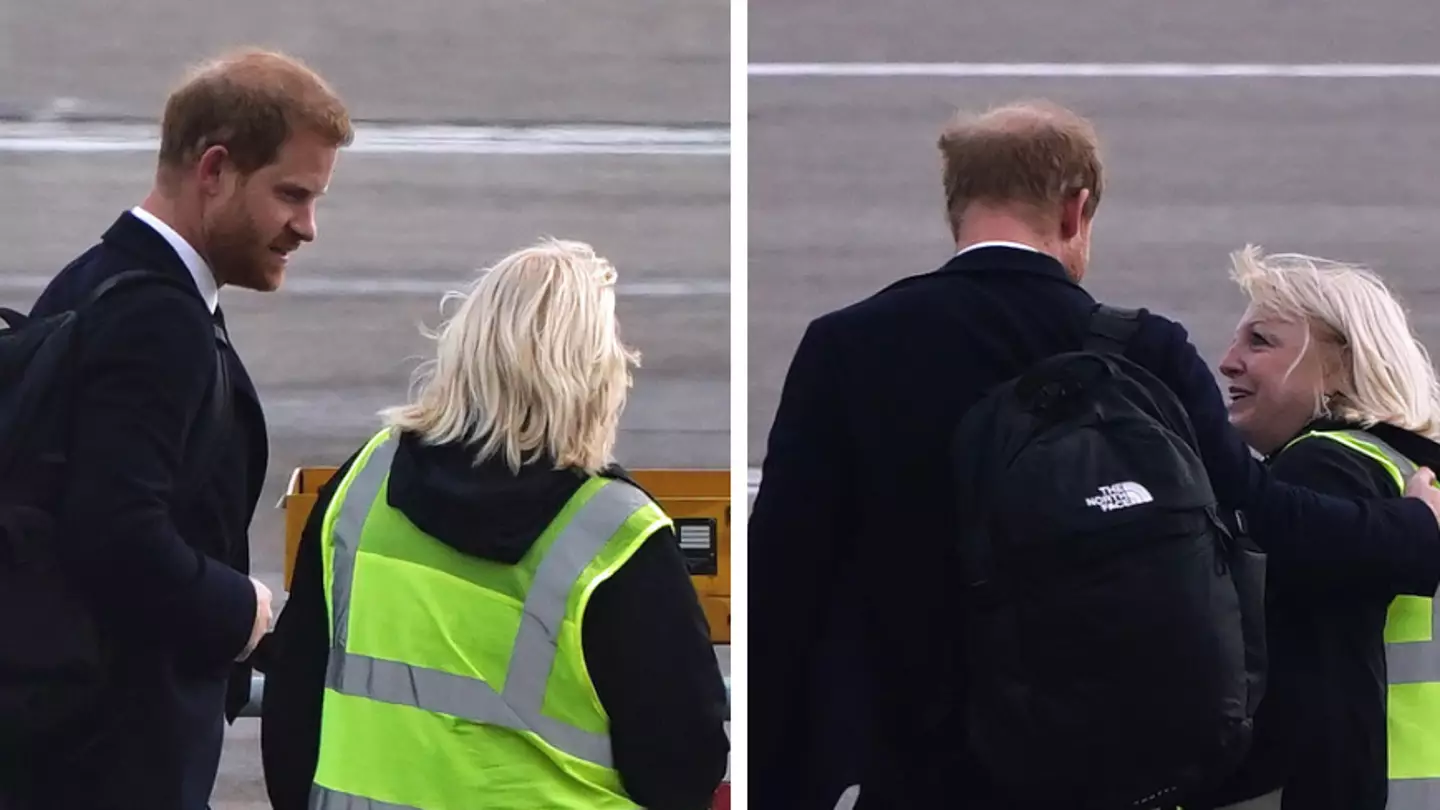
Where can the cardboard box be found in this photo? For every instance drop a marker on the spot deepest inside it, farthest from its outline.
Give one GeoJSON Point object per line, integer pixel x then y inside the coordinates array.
{"type": "Point", "coordinates": [697, 500]}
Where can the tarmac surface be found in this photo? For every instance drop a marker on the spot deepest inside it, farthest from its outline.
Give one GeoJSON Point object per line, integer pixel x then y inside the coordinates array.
{"type": "Point", "coordinates": [637, 61]}
{"type": "Point", "coordinates": [845, 192]}
{"type": "Point", "coordinates": [400, 227]}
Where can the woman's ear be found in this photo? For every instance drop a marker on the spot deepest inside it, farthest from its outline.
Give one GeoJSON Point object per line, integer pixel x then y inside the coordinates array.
{"type": "Point", "coordinates": [1336, 372]}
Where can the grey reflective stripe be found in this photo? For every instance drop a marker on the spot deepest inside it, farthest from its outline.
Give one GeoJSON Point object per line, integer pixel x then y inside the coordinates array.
{"type": "Point", "coordinates": [323, 798]}
{"type": "Point", "coordinates": [1415, 661]}
{"type": "Point", "coordinates": [468, 698]}
{"type": "Point", "coordinates": [431, 689]}
{"type": "Point", "coordinates": [1406, 466]}
{"type": "Point", "coordinates": [1414, 794]}
{"type": "Point", "coordinates": [519, 706]}
{"type": "Point", "coordinates": [364, 487]}
{"type": "Point", "coordinates": [545, 602]}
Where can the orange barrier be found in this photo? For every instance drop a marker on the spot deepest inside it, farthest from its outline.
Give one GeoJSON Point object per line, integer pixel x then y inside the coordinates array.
{"type": "Point", "coordinates": [697, 500]}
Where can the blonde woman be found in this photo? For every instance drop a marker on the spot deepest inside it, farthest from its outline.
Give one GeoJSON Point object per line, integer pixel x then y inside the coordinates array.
{"type": "Point", "coordinates": [486, 612]}
{"type": "Point", "coordinates": [1328, 382]}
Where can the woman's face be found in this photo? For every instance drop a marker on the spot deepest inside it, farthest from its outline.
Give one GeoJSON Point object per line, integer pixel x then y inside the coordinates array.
{"type": "Point", "coordinates": [1275, 378]}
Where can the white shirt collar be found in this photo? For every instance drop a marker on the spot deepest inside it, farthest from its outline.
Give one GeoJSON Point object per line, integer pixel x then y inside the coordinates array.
{"type": "Point", "coordinates": [199, 269]}
{"type": "Point", "coordinates": [996, 243]}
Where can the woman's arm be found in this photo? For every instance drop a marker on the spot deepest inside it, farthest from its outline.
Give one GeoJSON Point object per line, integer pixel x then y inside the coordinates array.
{"type": "Point", "coordinates": [295, 655]}
{"type": "Point", "coordinates": [1329, 467]}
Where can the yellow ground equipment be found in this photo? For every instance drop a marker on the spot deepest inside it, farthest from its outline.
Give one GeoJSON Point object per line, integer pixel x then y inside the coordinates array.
{"type": "Point", "coordinates": [697, 500]}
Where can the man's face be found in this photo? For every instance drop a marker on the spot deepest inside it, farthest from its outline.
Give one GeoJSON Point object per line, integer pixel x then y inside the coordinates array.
{"type": "Point", "coordinates": [256, 221]}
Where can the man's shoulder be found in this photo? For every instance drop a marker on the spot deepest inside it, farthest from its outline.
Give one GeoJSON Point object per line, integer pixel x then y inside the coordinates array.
{"type": "Point", "coordinates": [107, 256]}
{"type": "Point", "coordinates": [1156, 333]}
{"type": "Point", "coordinates": [146, 317]}
{"type": "Point", "coordinates": [1155, 321]}
{"type": "Point", "coordinates": [69, 288]}
{"type": "Point", "coordinates": [897, 299]}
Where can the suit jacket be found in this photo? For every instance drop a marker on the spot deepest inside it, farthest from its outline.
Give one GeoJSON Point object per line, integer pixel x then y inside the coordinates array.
{"type": "Point", "coordinates": [856, 489]}
{"type": "Point", "coordinates": [167, 576]}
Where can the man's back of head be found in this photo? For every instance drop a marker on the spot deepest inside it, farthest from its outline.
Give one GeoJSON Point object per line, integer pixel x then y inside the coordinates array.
{"type": "Point", "coordinates": [1026, 172]}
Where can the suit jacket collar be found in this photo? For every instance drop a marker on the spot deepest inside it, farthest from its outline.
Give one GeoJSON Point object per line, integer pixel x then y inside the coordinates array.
{"type": "Point", "coordinates": [130, 235]}
{"type": "Point", "coordinates": [199, 268]}
{"type": "Point", "coordinates": [1002, 259]}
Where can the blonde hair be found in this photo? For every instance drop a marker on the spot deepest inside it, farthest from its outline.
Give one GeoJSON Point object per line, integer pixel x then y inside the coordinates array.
{"type": "Point", "coordinates": [1386, 372]}
{"type": "Point", "coordinates": [531, 363]}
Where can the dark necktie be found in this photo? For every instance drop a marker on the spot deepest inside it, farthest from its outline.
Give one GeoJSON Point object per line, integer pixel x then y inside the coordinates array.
{"type": "Point", "coordinates": [220, 333]}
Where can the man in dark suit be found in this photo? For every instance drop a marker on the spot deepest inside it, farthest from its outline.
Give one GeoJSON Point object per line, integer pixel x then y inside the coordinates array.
{"type": "Point", "coordinates": [856, 486]}
{"type": "Point", "coordinates": [248, 146]}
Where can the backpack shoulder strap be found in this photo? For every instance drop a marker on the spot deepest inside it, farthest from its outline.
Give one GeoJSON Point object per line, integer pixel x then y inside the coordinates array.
{"type": "Point", "coordinates": [1111, 329]}
{"type": "Point", "coordinates": [216, 409]}
{"type": "Point", "coordinates": [127, 278]}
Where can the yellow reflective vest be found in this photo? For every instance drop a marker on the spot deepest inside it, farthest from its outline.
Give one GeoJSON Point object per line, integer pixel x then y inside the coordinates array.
{"type": "Point", "coordinates": [1412, 656]}
{"type": "Point", "coordinates": [456, 682]}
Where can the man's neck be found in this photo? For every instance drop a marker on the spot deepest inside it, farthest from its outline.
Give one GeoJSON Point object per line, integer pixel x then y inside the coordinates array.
{"type": "Point", "coordinates": [1014, 238]}
{"type": "Point", "coordinates": [995, 243]}
{"type": "Point", "coordinates": [159, 213]}
{"type": "Point", "coordinates": [984, 225]}
{"type": "Point", "coordinates": [165, 209]}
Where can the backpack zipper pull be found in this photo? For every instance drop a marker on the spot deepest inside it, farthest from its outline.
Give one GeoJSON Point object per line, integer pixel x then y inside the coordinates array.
{"type": "Point", "coordinates": [1227, 541]}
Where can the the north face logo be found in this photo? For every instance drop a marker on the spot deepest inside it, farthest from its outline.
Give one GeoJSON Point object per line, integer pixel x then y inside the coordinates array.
{"type": "Point", "coordinates": [1120, 496]}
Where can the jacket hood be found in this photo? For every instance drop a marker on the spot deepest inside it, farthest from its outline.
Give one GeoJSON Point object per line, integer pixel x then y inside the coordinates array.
{"type": "Point", "coordinates": [483, 510]}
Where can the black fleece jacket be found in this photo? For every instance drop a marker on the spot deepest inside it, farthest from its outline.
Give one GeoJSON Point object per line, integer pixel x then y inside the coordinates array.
{"type": "Point", "coordinates": [1320, 732]}
{"type": "Point", "coordinates": [645, 637]}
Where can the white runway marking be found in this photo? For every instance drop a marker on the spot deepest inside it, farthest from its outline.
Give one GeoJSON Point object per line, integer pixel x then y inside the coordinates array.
{"type": "Point", "coordinates": [354, 287]}
{"type": "Point", "coordinates": [46, 137]}
{"type": "Point", "coordinates": [1106, 70]}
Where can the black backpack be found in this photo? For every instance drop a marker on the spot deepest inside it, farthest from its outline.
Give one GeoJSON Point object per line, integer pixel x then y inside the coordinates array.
{"type": "Point", "coordinates": [52, 659]}
{"type": "Point", "coordinates": [1113, 624]}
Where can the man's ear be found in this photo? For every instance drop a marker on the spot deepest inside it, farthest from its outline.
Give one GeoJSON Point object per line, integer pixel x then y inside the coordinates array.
{"type": "Point", "coordinates": [1072, 214]}
{"type": "Point", "coordinates": [211, 169]}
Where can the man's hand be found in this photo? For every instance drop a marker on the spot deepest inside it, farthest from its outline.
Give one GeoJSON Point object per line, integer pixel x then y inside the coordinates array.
{"type": "Point", "coordinates": [1422, 485]}
{"type": "Point", "coordinates": [262, 610]}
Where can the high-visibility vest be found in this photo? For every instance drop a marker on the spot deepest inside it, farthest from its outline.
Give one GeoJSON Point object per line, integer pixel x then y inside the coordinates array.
{"type": "Point", "coordinates": [1412, 656]}
{"type": "Point", "coordinates": [456, 682]}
